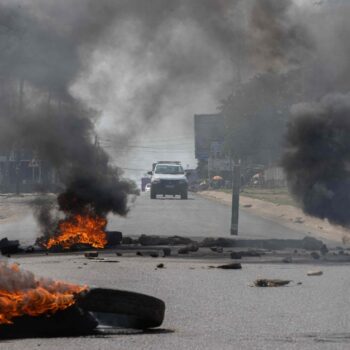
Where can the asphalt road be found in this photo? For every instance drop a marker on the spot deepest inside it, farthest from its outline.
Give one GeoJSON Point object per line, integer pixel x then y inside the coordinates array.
{"type": "Point", "coordinates": [206, 308]}
{"type": "Point", "coordinates": [195, 217]}
{"type": "Point", "coordinates": [211, 308]}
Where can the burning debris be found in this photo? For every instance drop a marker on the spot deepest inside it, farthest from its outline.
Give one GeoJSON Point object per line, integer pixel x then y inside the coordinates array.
{"type": "Point", "coordinates": [21, 294]}
{"type": "Point", "coordinates": [31, 306]}
{"type": "Point", "coordinates": [80, 229]}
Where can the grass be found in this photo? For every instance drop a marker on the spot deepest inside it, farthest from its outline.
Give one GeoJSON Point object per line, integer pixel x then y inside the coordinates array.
{"type": "Point", "coordinates": [280, 196]}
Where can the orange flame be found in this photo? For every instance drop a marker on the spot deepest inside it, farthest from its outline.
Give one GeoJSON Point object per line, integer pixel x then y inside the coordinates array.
{"type": "Point", "coordinates": [21, 294]}
{"type": "Point", "coordinates": [85, 229]}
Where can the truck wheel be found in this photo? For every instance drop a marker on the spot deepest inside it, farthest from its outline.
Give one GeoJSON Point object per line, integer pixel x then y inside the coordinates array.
{"type": "Point", "coordinates": [184, 195]}
{"type": "Point", "coordinates": [153, 195]}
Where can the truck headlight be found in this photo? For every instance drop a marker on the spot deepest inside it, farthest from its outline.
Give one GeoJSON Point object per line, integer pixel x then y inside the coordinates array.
{"type": "Point", "coordinates": [156, 181]}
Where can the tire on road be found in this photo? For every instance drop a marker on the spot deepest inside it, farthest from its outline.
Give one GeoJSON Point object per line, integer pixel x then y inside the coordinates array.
{"type": "Point", "coordinates": [184, 195]}
{"type": "Point", "coordinates": [134, 309]}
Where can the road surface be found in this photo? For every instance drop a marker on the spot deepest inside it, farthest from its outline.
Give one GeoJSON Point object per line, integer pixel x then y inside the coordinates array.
{"type": "Point", "coordinates": [195, 217]}
{"type": "Point", "coordinates": [210, 308]}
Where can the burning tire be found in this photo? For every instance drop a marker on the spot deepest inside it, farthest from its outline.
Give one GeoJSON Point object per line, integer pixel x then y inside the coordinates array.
{"type": "Point", "coordinates": [123, 308]}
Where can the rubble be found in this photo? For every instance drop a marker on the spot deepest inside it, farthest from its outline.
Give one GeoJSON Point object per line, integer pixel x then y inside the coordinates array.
{"type": "Point", "coordinates": [246, 253]}
{"type": "Point", "coordinates": [166, 251]}
{"type": "Point", "coordinates": [151, 253]}
{"type": "Point", "coordinates": [264, 282]}
{"type": "Point", "coordinates": [114, 238]}
{"type": "Point", "coordinates": [9, 247]}
{"type": "Point", "coordinates": [146, 240]}
{"type": "Point", "coordinates": [128, 240]}
{"type": "Point", "coordinates": [232, 266]}
{"type": "Point", "coordinates": [315, 273]}
{"type": "Point", "coordinates": [217, 249]}
{"type": "Point", "coordinates": [93, 254]}
{"type": "Point", "coordinates": [315, 255]}
{"type": "Point", "coordinates": [287, 260]}
{"type": "Point", "coordinates": [183, 251]}
{"type": "Point", "coordinates": [160, 266]}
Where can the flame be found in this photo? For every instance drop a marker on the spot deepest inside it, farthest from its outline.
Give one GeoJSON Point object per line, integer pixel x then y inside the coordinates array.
{"type": "Point", "coordinates": [85, 229]}
{"type": "Point", "coordinates": [22, 294]}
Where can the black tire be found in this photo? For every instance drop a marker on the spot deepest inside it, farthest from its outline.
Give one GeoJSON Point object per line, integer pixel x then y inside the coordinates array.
{"type": "Point", "coordinates": [153, 195]}
{"type": "Point", "coordinates": [134, 309]}
{"type": "Point", "coordinates": [184, 195]}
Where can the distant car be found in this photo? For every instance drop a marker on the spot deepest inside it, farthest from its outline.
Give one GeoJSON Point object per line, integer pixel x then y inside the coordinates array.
{"type": "Point", "coordinates": [168, 178]}
{"type": "Point", "coordinates": [148, 187]}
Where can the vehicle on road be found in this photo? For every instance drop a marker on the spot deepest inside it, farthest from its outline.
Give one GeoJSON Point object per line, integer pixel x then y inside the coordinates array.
{"type": "Point", "coordinates": [168, 178]}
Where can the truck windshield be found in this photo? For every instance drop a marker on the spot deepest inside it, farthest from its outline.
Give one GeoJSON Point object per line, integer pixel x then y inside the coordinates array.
{"type": "Point", "coordinates": [169, 169]}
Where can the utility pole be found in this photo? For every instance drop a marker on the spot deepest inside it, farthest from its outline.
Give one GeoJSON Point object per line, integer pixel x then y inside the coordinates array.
{"type": "Point", "coordinates": [236, 184]}
{"type": "Point", "coordinates": [18, 141]}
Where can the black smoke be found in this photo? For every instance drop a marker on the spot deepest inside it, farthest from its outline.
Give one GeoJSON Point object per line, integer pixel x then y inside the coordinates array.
{"type": "Point", "coordinates": [41, 46]}
{"type": "Point", "coordinates": [317, 160]}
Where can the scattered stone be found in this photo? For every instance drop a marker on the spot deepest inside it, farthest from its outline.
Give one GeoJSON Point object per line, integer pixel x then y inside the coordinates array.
{"type": "Point", "coordinates": [243, 253]}
{"type": "Point", "coordinates": [287, 259]}
{"type": "Point", "coordinates": [315, 273]}
{"type": "Point", "coordinates": [93, 254]}
{"type": "Point", "coordinates": [9, 247]}
{"type": "Point", "coordinates": [153, 254]}
{"type": "Point", "coordinates": [128, 240]}
{"type": "Point", "coordinates": [153, 240]}
{"type": "Point", "coordinates": [166, 251]}
{"type": "Point", "coordinates": [324, 250]}
{"type": "Point", "coordinates": [315, 255]}
{"type": "Point", "coordinates": [183, 251]}
{"type": "Point", "coordinates": [158, 240]}
{"type": "Point", "coordinates": [236, 255]}
{"type": "Point", "coordinates": [114, 238]}
{"type": "Point", "coordinates": [118, 254]}
{"type": "Point", "coordinates": [218, 242]}
{"type": "Point", "coordinates": [247, 206]}
{"type": "Point", "coordinates": [178, 240]}
{"type": "Point", "coordinates": [264, 282]}
{"type": "Point", "coordinates": [193, 247]}
{"type": "Point", "coordinates": [217, 249]}
{"type": "Point", "coordinates": [232, 266]}
{"type": "Point", "coordinates": [30, 249]}
{"type": "Point", "coordinates": [298, 220]}
{"type": "Point", "coordinates": [299, 283]}
{"type": "Point", "coordinates": [160, 266]}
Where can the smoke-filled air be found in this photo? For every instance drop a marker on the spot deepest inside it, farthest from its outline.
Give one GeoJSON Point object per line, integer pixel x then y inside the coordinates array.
{"type": "Point", "coordinates": [73, 72]}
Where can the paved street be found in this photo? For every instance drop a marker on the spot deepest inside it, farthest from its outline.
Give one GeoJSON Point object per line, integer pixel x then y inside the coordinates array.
{"type": "Point", "coordinates": [207, 308]}
{"type": "Point", "coordinates": [196, 217]}
{"type": "Point", "coordinates": [211, 308]}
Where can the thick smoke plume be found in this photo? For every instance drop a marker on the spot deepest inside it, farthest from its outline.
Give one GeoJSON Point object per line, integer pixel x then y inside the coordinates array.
{"type": "Point", "coordinates": [280, 39]}
{"type": "Point", "coordinates": [40, 58]}
{"type": "Point", "coordinates": [318, 158]}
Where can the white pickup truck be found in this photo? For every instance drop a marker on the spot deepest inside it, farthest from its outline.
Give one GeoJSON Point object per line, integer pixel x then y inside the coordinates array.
{"type": "Point", "coordinates": [168, 178]}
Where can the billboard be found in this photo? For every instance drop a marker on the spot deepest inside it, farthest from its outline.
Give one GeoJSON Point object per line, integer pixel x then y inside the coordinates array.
{"type": "Point", "coordinates": [208, 128]}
